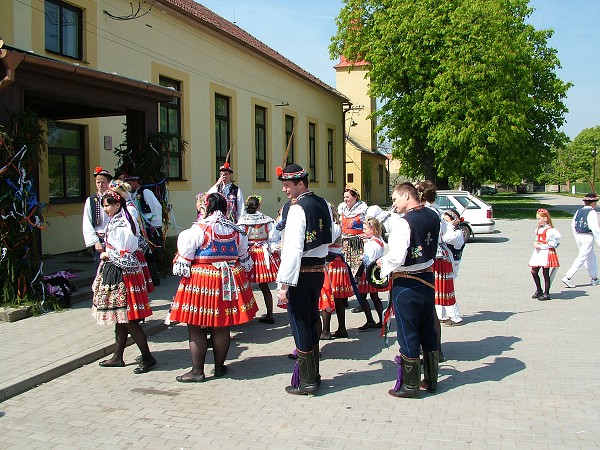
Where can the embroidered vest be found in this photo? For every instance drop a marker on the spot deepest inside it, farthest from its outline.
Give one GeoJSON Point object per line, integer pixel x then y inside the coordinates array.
{"type": "Point", "coordinates": [258, 232]}
{"type": "Point", "coordinates": [424, 231]}
{"type": "Point", "coordinates": [220, 248]}
{"type": "Point", "coordinates": [581, 224]}
{"type": "Point", "coordinates": [318, 220]}
{"type": "Point", "coordinates": [352, 225]}
{"type": "Point", "coordinates": [96, 207]}
{"type": "Point", "coordinates": [232, 212]}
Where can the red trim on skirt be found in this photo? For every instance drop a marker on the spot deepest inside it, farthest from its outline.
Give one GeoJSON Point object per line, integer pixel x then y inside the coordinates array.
{"type": "Point", "coordinates": [444, 282]}
{"type": "Point", "coordinates": [326, 300]}
{"type": "Point", "coordinates": [365, 288]}
{"type": "Point", "coordinates": [199, 298]}
{"type": "Point", "coordinates": [339, 276]}
{"type": "Point", "coordinates": [139, 254]}
{"type": "Point", "coordinates": [260, 272]}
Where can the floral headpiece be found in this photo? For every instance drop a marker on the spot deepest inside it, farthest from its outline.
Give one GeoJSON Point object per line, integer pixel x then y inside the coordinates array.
{"type": "Point", "coordinates": [114, 194]}
{"type": "Point", "coordinates": [291, 172]}
{"type": "Point", "coordinates": [256, 196]}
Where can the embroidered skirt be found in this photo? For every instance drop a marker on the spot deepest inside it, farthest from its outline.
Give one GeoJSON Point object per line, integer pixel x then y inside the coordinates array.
{"type": "Point", "coordinates": [365, 288]}
{"type": "Point", "coordinates": [444, 281]}
{"type": "Point", "coordinates": [326, 300]}
{"type": "Point", "coordinates": [139, 254]}
{"type": "Point", "coordinates": [544, 258]}
{"type": "Point", "coordinates": [352, 247]}
{"type": "Point", "coordinates": [119, 294]}
{"type": "Point", "coordinates": [261, 273]}
{"type": "Point", "coordinates": [339, 276]}
{"type": "Point", "coordinates": [199, 298]}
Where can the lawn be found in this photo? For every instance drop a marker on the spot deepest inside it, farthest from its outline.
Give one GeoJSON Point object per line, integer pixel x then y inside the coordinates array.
{"type": "Point", "coordinates": [508, 205]}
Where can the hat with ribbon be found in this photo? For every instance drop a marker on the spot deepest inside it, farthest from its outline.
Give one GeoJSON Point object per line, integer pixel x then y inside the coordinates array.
{"type": "Point", "coordinates": [226, 168]}
{"type": "Point", "coordinates": [590, 197]}
{"type": "Point", "coordinates": [291, 172]}
{"type": "Point", "coordinates": [132, 178]}
{"type": "Point", "coordinates": [100, 171]}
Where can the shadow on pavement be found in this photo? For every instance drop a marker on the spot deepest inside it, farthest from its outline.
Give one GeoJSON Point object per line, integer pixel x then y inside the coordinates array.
{"type": "Point", "coordinates": [497, 370]}
{"type": "Point", "coordinates": [477, 350]}
{"type": "Point", "coordinates": [494, 316]}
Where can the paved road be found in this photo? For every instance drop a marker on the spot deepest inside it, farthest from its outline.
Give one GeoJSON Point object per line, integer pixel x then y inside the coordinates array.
{"type": "Point", "coordinates": [520, 374]}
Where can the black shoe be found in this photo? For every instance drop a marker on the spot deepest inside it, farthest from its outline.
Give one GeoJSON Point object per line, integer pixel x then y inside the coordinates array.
{"type": "Point", "coordinates": [544, 297]}
{"type": "Point", "coordinates": [110, 363]}
{"type": "Point", "coordinates": [367, 326]}
{"type": "Point", "coordinates": [191, 378]}
{"type": "Point", "coordinates": [537, 294]}
{"type": "Point", "coordinates": [145, 366]}
{"type": "Point", "coordinates": [357, 309]}
{"type": "Point", "coordinates": [339, 334]}
{"type": "Point", "coordinates": [267, 319]}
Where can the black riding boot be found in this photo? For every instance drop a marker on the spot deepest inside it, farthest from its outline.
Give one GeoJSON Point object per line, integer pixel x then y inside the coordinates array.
{"type": "Point", "coordinates": [409, 377]}
{"type": "Point", "coordinates": [430, 371]}
{"type": "Point", "coordinates": [308, 374]}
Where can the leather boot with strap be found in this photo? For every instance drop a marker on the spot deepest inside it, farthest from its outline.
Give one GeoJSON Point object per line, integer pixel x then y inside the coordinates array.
{"type": "Point", "coordinates": [308, 375]}
{"type": "Point", "coordinates": [430, 371]}
{"type": "Point", "coordinates": [410, 376]}
{"type": "Point", "coordinates": [317, 357]}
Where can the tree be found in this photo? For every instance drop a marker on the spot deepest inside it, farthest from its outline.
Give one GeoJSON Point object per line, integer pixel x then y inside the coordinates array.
{"type": "Point", "coordinates": [579, 156]}
{"type": "Point", "coordinates": [468, 89]}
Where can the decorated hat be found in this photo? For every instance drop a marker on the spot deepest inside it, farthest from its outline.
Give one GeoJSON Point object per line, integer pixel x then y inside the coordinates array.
{"type": "Point", "coordinates": [226, 168]}
{"type": "Point", "coordinates": [590, 197]}
{"type": "Point", "coordinates": [374, 277]}
{"type": "Point", "coordinates": [100, 171]}
{"type": "Point", "coordinates": [453, 214]}
{"type": "Point", "coordinates": [291, 172]}
{"type": "Point", "coordinates": [132, 178]}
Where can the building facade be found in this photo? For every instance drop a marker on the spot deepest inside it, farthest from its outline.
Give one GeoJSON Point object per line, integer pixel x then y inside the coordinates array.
{"type": "Point", "coordinates": [219, 87]}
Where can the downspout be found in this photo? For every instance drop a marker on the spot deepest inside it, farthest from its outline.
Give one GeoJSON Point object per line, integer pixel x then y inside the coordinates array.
{"type": "Point", "coordinates": [10, 61]}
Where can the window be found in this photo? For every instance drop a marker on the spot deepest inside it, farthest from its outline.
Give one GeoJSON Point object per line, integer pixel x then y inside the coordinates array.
{"type": "Point", "coordinates": [63, 29]}
{"type": "Point", "coordinates": [330, 155]}
{"type": "Point", "coordinates": [260, 142]}
{"type": "Point", "coordinates": [350, 178]}
{"type": "Point", "coordinates": [312, 151]}
{"type": "Point", "coordinates": [170, 122]}
{"type": "Point", "coordinates": [65, 163]}
{"type": "Point", "coordinates": [221, 129]}
{"type": "Point", "coordinates": [289, 139]}
{"type": "Point", "coordinates": [380, 173]}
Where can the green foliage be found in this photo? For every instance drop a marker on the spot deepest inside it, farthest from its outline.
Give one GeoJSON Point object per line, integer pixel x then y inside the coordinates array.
{"type": "Point", "coordinates": [578, 157]}
{"type": "Point", "coordinates": [21, 144]}
{"type": "Point", "coordinates": [468, 89]}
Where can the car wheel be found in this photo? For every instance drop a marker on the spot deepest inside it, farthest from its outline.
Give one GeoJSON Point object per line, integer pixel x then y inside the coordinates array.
{"type": "Point", "coordinates": [466, 231]}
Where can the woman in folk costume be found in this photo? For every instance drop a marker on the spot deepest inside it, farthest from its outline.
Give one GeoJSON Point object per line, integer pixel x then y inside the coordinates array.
{"type": "Point", "coordinates": [442, 265]}
{"type": "Point", "coordinates": [374, 249]}
{"type": "Point", "coordinates": [337, 283]}
{"type": "Point", "coordinates": [455, 241]}
{"type": "Point", "coordinates": [124, 190]}
{"type": "Point", "coordinates": [214, 291]}
{"type": "Point", "coordinates": [263, 239]}
{"type": "Point", "coordinates": [120, 295]}
{"type": "Point", "coordinates": [544, 253]}
{"type": "Point", "coordinates": [352, 216]}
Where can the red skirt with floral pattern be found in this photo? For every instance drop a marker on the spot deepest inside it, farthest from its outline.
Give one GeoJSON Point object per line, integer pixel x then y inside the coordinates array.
{"type": "Point", "coordinates": [260, 272]}
{"type": "Point", "coordinates": [339, 276]}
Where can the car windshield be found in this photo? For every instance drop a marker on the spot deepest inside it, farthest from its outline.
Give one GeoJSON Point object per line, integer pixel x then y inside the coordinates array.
{"type": "Point", "coordinates": [466, 202]}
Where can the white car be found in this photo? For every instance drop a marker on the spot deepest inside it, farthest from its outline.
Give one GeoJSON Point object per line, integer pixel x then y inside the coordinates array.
{"type": "Point", "coordinates": [476, 215]}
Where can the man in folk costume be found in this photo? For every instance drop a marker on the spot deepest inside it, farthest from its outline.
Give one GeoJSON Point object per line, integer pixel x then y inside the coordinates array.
{"type": "Point", "coordinates": [150, 211]}
{"type": "Point", "coordinates": [412, 249]}
{"type": "Point", "coordinates": [95, 219]}
{"type": "Point", "coordinates": [231, 192]}
{"type": "Point", "coordinates": [306, 238]}
{"type": "Point", "coordinates": [586, 230]}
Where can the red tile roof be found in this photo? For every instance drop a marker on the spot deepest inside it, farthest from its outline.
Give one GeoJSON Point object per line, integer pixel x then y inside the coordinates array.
{"type": "Point", "coordinates": [212, 20]}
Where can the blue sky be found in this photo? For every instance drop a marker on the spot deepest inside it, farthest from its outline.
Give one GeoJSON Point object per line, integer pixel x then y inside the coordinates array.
{"type": "Point", "coordinates": [301, 31]}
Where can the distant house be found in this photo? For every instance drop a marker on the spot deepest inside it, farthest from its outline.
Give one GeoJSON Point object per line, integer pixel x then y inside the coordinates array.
{"type": "Point", "coordinates": [366, 166]}
{"type": "Point", "coordinates": [92, 67]}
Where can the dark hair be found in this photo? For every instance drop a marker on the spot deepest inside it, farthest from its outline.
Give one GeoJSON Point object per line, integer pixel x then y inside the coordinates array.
{"type": "Point", "coordinates": [408, 188]}
{"type": "Point", "coordinates": [252, 204]}
{"type": "Point", "coordinates": [113, 198]}
{"type": "Point", "coordinates": [427, 190]}
{"type": "Point", "coordinates": [215, 202]}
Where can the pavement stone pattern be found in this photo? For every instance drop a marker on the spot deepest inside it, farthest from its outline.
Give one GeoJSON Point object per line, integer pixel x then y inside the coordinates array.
{"type": "Point", "coordinates": [520, 374]}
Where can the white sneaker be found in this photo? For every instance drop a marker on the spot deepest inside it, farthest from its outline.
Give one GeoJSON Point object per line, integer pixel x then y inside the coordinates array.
{"type": "Point", "coordinates": [595, 282]}
{"type": "Point", "coordinates": [568, 282]}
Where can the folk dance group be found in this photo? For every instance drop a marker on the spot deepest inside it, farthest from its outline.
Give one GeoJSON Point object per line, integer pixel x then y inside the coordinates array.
{"type": "Point", "coordinates": [311, 251]}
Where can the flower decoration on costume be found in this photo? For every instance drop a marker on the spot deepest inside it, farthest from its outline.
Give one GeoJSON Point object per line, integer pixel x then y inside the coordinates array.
{"type": "Point", "coordinates": [100, 171]}
{"type": "Point", "coordinates": [279, 171]}
{"type": "Point", "coordinates": [113, 194]}
{"type": "Point", "coordinates": [256, 196]}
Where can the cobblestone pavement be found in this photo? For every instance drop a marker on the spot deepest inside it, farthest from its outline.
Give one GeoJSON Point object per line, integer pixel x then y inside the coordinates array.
{"type": "Point", "coordinates": [518, 375]}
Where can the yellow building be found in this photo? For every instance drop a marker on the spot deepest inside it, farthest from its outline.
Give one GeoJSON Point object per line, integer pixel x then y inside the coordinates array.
{"type": "Point", "coordinates": [93, 67]}
{"type": "Point", "coordinates": [366, 166]}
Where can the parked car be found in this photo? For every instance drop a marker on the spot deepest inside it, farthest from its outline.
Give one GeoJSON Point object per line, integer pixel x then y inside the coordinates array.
{"type": "Point", "coordinates": [477, 216]}
{"type": "Point", "coordinates": [488, 190]}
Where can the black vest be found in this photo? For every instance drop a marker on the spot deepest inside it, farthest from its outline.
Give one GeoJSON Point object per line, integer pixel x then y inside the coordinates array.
{"type": "Point", "coordinates": [424, 233]}
{"type": "Point", "coordinates": [96, 207]}
{"type": "Point", "coordinates": [581, 225]}
{"type": "Point", "coordinates": [318, 220]}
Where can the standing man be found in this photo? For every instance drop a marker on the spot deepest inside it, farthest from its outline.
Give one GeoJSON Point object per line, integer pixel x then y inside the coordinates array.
{"type": "Point", "coordinates": [306, 240]}
{"type": "Point", "coordinates": [150, 211]}
{"type": "Point", "coordinates": [586, 231]}
{"type": "Point", "coordinates": [231, 192]}
{"type": "Point", "coordinates": [94, 217]}
{"type": "Point", "coordinates": [412, 248]}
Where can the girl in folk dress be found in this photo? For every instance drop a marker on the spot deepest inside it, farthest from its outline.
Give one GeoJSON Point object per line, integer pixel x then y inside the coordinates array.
{"type": "Point", "coordinates": [120, 295]}
{"type": "Point", "coordinates": [352, 216]}
{"type": "Point", "coordinates": [373, 250]}
{"type": "Point", "coordinates": [339, 284]}
{"type": "Point", "coordinates": [544, 253]}
{"type": "Point", "coordinates": [263, 240]}
{"type": "Point", "coordinates": [455, 242]}
{"type": "Point", "coordinates": [214, 291]}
